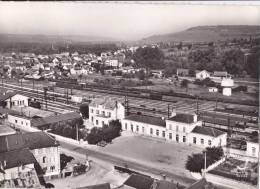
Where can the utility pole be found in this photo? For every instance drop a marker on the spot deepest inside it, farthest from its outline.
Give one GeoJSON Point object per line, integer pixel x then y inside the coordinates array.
{"type": "Point", "coordinates": [45, 96]}
{"type": "Point", "coordinates": [33, 84]}
{"type": "Point", "coordinates": [197, 105]}
{"type": "Point", "coordinates": [168, 111]}
{"type": "Point", "coordinates": [77, 134]}
{"type": "Point", "coordinates": [205, 165]}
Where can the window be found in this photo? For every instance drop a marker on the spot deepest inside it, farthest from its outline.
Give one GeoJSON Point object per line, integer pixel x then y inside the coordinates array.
{"type": "Point", "coordinates": [253, 151]}
{"type": "Point", "coordinates": [194, 140]}
{"type": "Point", "coordinates": [103, 123]}
{"type": "Point", "coordinates": [92, 111]}
{"type": "Point", "coordinates": [202, 141]}
{"type": "Point", "coordinates": [52, 168]}
{"type": "Point", "coordinates": [96, 122]}
{"type": "Point", "coordinates": [177, 128]}
{"type": "Point", "coordinates": [163, 134]}
{"type": "Point", "coordinates": [170, 127]}
{"type": "Point", "coordinates": [177, 138]}
{"type": "Point", "coordinates": [22, 122]}
{"type": "Point", "coordinates": [209, 142]}
{"type": "Point", "coordinates": [97, 111]}
{"type": "Point", "coordinates": [132, 127]}
{"type": "Point", "coordinates": [137, 128]}
{"type": "Point", "coordinates": [184, 138]}
{"type": "Point", "coordinates": [15, 121]}
{"type": "Point", "coordinates": [157, 132]}
{"type": "Point", "coordinates": [26, 123]}
{"type": "Point", "coordinates": [109, 114]}
{"type": "Point", "coordinates": [44, 159]}
{"type": "Point", "coordinates": [92, 119]}
{"type": "Point", "coordinates": [170, 135]}
{"type": "Point", "coordinates": [125, 126]}
{"type": "Point", "coordinates": [151, 131]}
{"type": "Point", "coordinates": [143, 129]}
{"type": "Point", "coordinates": [184, 129]}
{"type": "Point", "coordinates": [103, 112]}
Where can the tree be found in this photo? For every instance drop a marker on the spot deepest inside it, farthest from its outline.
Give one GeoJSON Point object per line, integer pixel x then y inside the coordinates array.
{"type": "Point", "coordinates": [84, 110]}
{"type": "Point", "coordinates": [195, 163]}
{"type": "Point", "coordinates": [13, 73]}
{"type": "Point", "coordinates": [64, 159]}
{"type": "Point", "coordinates": [214, 153]}
{"type": "Point", "coordinates": [141, 75]}
{"type": "Point", "coordinates": [3, 104]}
{"type": "Point", "coordinates": [185, 83]}
{"type": "Point", "coordinates": [148, 58]}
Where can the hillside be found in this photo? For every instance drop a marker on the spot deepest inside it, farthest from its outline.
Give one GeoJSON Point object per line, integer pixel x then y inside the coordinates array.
{"type": "Point", "coordinates": [207, 34]}
{"type": "Point", "coordinates": [21, 38]}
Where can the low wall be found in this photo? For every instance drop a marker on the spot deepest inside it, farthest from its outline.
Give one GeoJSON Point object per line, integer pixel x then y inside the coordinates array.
{"type": "Point", "coordinates": [214, 165]}
{"type": "Point", "coordinates": [65, 139]}
{"type": "Point", "coordinates": [239, 154]}
{"type": "Point", "coordinates": [215, 179]}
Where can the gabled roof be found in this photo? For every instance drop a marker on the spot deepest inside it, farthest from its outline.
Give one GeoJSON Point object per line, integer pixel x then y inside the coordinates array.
{"type": "Point", "coordinates": [163, 184]}
{"type": "Point", "coordinates": [207, 131]}
{"type": "Point", "coordinates": [108, 103]}
{"type": "Point", "coordinates": [17, 158]}
{"type": "Point", "coordinates": [201, 184]}
{"type": "Point", "coordinates": [147, 119]}
{"type": "Point", "coordinates": [183, 118]}
{"type": "Point", "coordinates": [7, 96]}
{"type": "Point", "coordinates": [98, 186]}
{"type": "Point", "coordinates": [139, 181]}
{"type": "Point", "coordinates": [55, 119]}
{"type": "Point", "coordinates": [33, 140]}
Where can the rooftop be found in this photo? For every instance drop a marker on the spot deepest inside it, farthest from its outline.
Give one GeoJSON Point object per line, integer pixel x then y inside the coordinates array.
{"type": "Point", "coordinates": [37, 122]}
{"type": "Point", "coordinates": [139, 181]}
{"type": "Point", "coordinates": [17, 158]}
{"type": "Point", "coordinates": [163, 184]}
{"type": "Point", "coordinates": [33, 140]}
{"type": "Point", "coordinates": [6, 96]}
{"type": "Point", "coordinates": [98, 186]}
{"type": "Point", "coordinates": [184, 118]}
{"type": "Point", "coordinates": [147, 119]}
{"type": "Point", "coordinates": [5, 130]}
{"type": "Point", "coordinates": [108, 103]}
{"type": "Point", "coordinates": [201, 184]}
{"type": "Point", "coordinates": [207, 131]}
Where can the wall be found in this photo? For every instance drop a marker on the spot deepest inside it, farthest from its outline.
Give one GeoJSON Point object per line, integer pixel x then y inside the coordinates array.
{"type": "Point", "coordinates": [143, 128]}
{"type": "Point", "coordinates": [19, 121]}
{"type": "Point", "coordinates": [13, 172]}
{"type": "Point", "coordinates": [249, 149]}
{"type": "Point", "coordinates": [18, 100]}
{"type": "Point", "coordinates": [215, 141]}
{"type": "Point", "coordinates": [52, 158]}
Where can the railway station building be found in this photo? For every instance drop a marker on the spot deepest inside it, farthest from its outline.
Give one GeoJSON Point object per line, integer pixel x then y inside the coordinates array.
{"type": "Point", "coordinates": [180, 128]}
{"type": "Point", "coordinates": [13, 99]}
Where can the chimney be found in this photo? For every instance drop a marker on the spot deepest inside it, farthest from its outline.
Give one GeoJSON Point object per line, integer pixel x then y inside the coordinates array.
{"type": "Point", "coordinates": [4, 163]}
{"type": "Point", "coordinates": [163, 118]}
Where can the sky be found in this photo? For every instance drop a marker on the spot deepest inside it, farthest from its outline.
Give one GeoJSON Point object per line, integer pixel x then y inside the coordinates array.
{"type": "Point", "coordinates": [125, 21]}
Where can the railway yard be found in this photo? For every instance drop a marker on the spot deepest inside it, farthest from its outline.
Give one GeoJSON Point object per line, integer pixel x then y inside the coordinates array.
{"type": "Point", "coordinates": [239, 118]}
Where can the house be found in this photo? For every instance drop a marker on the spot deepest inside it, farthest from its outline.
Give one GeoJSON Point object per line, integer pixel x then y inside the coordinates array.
{"type": "Point", "coordinates": [213, 89]}
{"type": "Point", "coordinates": [180, 128]}
{"type": "Point", "coordinates": [182, 72]}
{"type": "Point", "coordinates": [252, 147]}
{"type": "Point", "coordinates": [104, 110]}
{"type": "Point", "coordinates": [157, 73]}
{"type": "Point", "coordinates": [44, 148]}
{"type": "Point", "coordinates": [17, 169]}
{"type": "Point", "coordinates": [220, 74]}
{"type": "Point", "coordinates": [202, 75]}
{"type": "Point", "coordinates": [13, 99]}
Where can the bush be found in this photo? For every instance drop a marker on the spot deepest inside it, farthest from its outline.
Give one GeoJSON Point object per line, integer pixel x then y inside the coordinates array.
{"type": "Point", "coordinates": [64, 159]}
{"type": "Point", "coordinates": [84, 110]}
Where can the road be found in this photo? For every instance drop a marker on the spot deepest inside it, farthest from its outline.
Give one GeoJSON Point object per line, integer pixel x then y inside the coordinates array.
{"type": "Point", "coordinates": [130, 164]}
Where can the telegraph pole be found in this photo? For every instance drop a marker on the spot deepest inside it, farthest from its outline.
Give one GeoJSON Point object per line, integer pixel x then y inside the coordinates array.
{"type": "Point", "coordinates": [77, 134]}
{"type": "Point", "coordinates": [197, 105]}
{"type": "Point", "coordinates": [168, 111]}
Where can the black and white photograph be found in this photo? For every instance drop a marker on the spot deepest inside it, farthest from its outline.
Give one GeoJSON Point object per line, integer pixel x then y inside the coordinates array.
{"type": "Point", "coordinates": [129, 95]}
